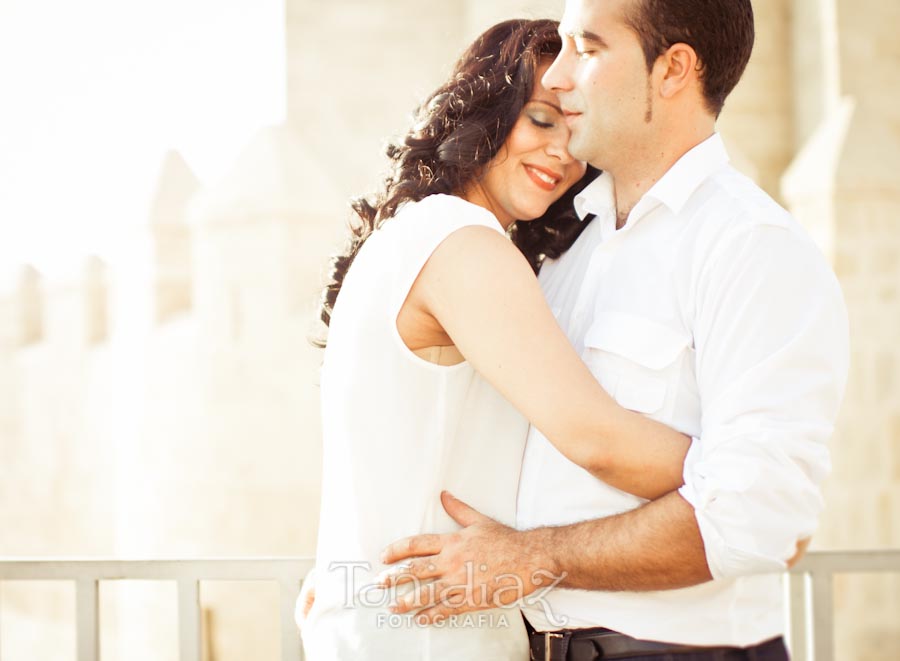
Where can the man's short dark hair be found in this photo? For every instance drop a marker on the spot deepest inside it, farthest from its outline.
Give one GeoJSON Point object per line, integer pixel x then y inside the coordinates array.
{"type": "Point", "coordinates": [720, 32]}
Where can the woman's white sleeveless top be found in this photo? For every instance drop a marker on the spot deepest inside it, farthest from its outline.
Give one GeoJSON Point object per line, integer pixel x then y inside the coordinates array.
{"type": "Point", "coordinates": [396, 431]}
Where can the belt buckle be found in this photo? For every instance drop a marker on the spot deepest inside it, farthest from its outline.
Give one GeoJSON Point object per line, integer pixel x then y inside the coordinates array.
{"type": "Point", "coordinates": [548, 637]}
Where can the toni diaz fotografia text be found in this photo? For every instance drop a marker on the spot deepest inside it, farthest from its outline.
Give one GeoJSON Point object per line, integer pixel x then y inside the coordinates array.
{"type": "Point", "coordinates": [509, 590]}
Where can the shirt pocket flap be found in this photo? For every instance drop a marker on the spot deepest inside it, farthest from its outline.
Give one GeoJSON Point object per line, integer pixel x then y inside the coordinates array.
{"type": "Point", "coordinates": [640, 340]}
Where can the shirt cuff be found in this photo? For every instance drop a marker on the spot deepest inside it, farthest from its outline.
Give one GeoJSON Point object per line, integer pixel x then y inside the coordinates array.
{"type": "Point", "coordinates": [726, 558]}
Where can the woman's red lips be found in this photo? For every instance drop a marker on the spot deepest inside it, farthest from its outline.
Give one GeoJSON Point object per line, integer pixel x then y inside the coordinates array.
{"type": "Point", "coordinates": [544, 178]}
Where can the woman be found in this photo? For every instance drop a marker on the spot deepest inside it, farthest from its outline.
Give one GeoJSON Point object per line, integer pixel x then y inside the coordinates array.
{"type": "Point", "coordinates": [441, 348]}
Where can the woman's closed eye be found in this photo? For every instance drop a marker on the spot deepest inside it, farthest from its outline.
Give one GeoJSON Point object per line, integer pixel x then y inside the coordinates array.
{"type": "Point", "coordinates": [540, 123]}
{"type": "Point", "coordinates": [542, 115]}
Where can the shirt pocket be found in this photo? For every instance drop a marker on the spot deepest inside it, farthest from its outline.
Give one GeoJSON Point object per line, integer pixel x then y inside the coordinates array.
{"type": "Point", "coordinates": [639, 361]}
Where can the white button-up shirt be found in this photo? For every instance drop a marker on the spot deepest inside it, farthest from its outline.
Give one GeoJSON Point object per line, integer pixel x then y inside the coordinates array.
{"type": "Point", "coordinates": [713, 312]}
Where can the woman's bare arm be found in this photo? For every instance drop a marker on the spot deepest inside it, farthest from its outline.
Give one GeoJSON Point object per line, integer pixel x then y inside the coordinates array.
{"type": "Point", "coordinates": [481, 291]}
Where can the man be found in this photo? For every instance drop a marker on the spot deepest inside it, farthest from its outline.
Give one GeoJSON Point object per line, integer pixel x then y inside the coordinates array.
{"type": "Point", "coordinates": [695, 299]}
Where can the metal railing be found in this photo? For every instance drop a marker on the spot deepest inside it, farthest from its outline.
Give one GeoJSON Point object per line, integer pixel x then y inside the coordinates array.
{"type": "Point", "coordinates": [811, 597]}
{"type": "Point", "coordinates": [810, 586]}
{"type": "Point", "coordinates": [288, 573]}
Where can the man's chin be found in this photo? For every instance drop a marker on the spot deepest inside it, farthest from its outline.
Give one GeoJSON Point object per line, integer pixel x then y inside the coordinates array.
{"type": "Point", "coordinates": [581, 151]}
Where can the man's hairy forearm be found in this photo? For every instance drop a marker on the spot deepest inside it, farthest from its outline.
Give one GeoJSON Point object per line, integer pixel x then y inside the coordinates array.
{"type": "Point", "coordinates": [654, 547]}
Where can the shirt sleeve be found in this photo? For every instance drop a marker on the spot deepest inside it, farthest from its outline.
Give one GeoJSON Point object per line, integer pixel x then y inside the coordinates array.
{"type": "Point", "coordinates": [771, 343]}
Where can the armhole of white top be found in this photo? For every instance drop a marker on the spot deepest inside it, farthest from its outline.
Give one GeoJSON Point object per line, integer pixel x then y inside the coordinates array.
{"type": "Point", "coordinates": [402, 291]}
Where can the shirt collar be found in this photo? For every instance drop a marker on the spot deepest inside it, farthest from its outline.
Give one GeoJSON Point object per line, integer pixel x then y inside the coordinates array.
{"type": "Point", "coordinates": [596, 198]}
{"type": "Point", "coordinates": [677, 185]}
{"type": "Point", "coordinates": [674, 187]}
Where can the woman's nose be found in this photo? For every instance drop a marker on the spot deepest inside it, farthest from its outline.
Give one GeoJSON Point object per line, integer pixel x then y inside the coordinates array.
{"type": "Point", "coordinates": [558, 145]}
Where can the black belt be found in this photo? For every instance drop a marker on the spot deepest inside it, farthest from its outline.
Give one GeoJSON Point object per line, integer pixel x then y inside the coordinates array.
{"type": "Point", "coordinates": [601, 643]}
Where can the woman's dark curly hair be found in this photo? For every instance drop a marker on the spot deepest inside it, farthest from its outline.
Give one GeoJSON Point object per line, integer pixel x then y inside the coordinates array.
{"type": "Point", "coordinates": [457, 131]}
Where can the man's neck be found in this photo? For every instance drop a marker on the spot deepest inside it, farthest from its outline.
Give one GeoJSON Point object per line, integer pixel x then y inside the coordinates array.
{"type": "Point", "coordinates": [634, 178]}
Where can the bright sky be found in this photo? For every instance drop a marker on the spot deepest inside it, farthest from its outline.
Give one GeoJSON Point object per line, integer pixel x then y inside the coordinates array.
{"type": "Point", "coordinates": [94, 92]}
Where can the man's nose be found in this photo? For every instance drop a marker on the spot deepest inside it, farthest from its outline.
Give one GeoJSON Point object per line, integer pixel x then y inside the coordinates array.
{"type": "Point", "coordinates": [556, 77]}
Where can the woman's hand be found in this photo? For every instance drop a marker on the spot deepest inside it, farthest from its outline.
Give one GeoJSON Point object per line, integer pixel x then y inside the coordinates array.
{"type": "Point", "coordinates": [306, 599]}
{"type": "Point", "coordinates": [802, 545]}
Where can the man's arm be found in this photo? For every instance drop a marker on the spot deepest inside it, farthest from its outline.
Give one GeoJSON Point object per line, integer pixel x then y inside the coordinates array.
{"type": "Point", "coordinates": [487, 564]}
{"type": "Point", "coordinates": [655, 547]}
{"type": "Point", "coordinates": [772, 358]}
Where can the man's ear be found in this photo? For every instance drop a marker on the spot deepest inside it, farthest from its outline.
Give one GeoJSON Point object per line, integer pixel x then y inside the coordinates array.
{"type": "Point", "coordinates": [680, 68]}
